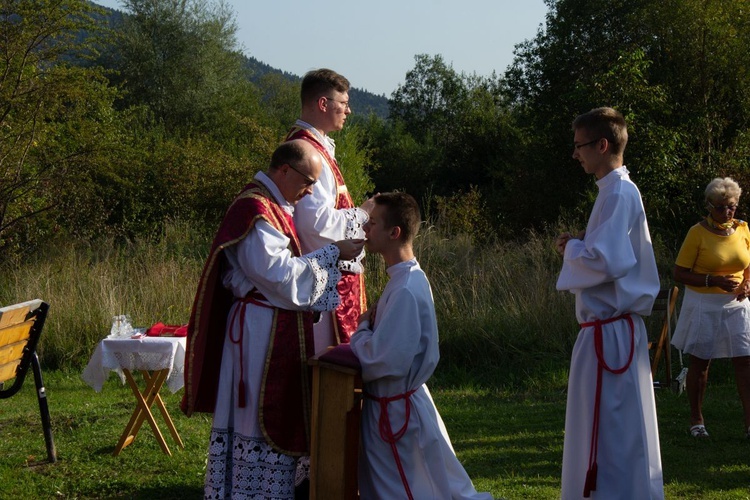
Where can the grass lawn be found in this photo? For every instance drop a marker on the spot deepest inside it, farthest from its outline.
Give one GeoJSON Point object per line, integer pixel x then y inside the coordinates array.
{"type": "Point", "coordinates": [509, 442]}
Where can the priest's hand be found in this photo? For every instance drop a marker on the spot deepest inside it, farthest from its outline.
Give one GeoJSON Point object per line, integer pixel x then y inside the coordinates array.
{"type": "Point", "coordinates": [349, 249]}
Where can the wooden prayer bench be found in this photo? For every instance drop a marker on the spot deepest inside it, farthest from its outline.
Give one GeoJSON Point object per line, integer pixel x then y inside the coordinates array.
{"type": "Point", "coordinates": [20, 328]}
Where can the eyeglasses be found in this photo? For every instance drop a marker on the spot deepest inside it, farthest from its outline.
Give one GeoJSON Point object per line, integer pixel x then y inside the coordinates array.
{"type": "Point", "coordinates": [343, 103]}
{"type": "Point", "coordinates": [722, 208]}
{"type": "Point", "coordinates": [579, 146]}
{"type": "Point", "coordinates": [309, 181]}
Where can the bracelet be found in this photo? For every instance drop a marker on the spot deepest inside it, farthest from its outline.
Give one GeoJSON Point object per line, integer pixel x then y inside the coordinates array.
{"type": "Point", "coordinates": [707, 276]}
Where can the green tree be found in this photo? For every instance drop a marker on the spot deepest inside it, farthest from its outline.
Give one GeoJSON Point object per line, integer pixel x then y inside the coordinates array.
{"type": "Point", "coordinates": [555, 77]}
{"type": "Point", "coordinates": [193, 128]}
{"type": "Point", "coordinates": [676, 69]}
{"type": "Point", "coordinates": [430, 99]}
{"type": "Point", "coordinates": [448, 134]}
{"type": "Point", "coordinates": [699, 53]}
{"type": "Point", "coordinates": [281, 100]}
{"type": "Point", "coordinates": [355, 160]}
{"type": "Point", "coordinates": [180, 59]}
{"type": "Point", "coordinates": [54, 116]}
{"type": "Point", "coordinates": [155, 177]}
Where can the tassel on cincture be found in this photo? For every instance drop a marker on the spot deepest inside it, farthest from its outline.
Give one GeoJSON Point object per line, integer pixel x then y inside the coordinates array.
{"type": "Point", "coordinates": [241, 390]}
{"type": "Point", "coordinates": [590, 484]}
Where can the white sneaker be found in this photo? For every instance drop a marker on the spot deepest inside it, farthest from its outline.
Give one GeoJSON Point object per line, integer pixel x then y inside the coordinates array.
{"type": "Point", "coordinates": [699, 431]}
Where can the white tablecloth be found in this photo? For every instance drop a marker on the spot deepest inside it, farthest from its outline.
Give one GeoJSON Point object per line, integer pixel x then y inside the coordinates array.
{"type": "Point", "coordinates": [146, 353]}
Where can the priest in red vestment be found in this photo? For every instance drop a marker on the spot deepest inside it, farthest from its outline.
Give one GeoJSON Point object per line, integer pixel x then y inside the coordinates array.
{"type": "Point", "coordinates": [250, 332]}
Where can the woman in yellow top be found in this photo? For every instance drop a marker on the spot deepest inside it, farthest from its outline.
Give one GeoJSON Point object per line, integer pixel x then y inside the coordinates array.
{"type": "Point", "coordinates": [715, 316]}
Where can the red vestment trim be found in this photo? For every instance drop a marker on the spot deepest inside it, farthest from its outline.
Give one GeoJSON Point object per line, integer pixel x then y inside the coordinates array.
{"type": "Point", "coordinates": [386, 430]}
{"type": "Point", "coordinates": [285, 398]}
{"type": "Point", "coordinates": [351, 287]}
{"type": "Point", "coordinates": [590, 483]}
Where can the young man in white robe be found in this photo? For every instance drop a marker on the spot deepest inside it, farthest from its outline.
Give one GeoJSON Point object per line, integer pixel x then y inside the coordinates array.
{"type": "Point", "coordinates": [250, 332]}
{"type": "Point", "coordinates": [611, 447]}
{"type": "Point", "coordinates": [328, 214]}
{"type": "Point", "coordinates": [405, 449]}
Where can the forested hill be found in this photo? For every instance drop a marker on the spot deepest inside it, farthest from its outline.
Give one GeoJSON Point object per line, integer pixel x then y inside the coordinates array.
{"type": "Point", "coordinates": [363, 102]}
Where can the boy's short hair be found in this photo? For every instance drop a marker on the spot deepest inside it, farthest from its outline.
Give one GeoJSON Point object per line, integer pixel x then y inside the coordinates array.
{"type": "Point", "coordinates": [607, 123]}
{"type": "Point", "coordinates": [401, 210]}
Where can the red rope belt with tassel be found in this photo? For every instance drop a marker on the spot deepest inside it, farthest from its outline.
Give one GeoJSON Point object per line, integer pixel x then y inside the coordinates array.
{"type": "Point", "coordinates": [590, 484]}
{"type": "Point", "coordinates": [386, 431]}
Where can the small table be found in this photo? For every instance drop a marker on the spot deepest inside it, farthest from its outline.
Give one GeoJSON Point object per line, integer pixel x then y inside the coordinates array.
{"type": "Point", "coordinates": [160, 360]}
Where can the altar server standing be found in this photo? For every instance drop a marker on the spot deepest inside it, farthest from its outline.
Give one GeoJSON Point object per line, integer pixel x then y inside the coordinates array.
{"type": "Point", "coordinates": [611, 446]}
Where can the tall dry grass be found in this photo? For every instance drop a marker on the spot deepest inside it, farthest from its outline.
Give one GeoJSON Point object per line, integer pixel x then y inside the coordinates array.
{"type": "Point", "coordinates": [501, 319]}
{"type": "Point", "coordinates": [86, 285]}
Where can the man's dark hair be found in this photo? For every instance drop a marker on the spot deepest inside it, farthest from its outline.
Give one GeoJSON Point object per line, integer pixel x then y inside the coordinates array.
{"type": "Point", "coordinates": [320, 82]}
{"type": "Point", "coordinates": [605, 122]}
{"type": "Point", "coordinates": [401, 210]}
{"type": "Point", "coordinates": [288, 153]}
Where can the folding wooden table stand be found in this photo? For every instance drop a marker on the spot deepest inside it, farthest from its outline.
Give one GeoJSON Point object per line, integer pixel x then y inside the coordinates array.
{"type": "Point", "coordinates": [145, 400]}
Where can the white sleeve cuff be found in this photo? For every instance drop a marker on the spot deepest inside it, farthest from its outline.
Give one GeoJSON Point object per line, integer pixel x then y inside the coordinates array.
{"type": "Point", "coordinates": [355, 221]}
{"type": "Point", "coordinates": [325, 296]}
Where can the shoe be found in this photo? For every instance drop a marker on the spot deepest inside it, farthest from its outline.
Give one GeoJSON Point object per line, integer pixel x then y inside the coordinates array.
{"type": "Point", "coordinates": [699, 431]}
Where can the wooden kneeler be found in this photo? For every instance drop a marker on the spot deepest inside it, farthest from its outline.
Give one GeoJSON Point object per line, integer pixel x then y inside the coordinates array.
{"type": "Point", "coordinates": [336, 413]}
{"type": "Point", "coordinates": [20, 328]}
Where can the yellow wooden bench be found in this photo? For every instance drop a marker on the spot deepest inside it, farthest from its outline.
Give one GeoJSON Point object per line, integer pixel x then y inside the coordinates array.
{"type": "Point", "coordinates": [20, 328]}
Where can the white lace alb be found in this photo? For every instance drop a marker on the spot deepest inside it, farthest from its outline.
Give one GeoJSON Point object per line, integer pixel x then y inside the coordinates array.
{"type": "Point", "coordinates": [241, 467]}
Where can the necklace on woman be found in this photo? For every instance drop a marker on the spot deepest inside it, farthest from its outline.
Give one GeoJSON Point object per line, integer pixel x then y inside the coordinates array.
{"type": "Point", "coordinates": [724, 226]}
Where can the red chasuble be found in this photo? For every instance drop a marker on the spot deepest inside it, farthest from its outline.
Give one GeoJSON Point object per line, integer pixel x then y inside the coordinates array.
{"type": "Point", "coordinates": [351, 287]}
{"type": "Point", "coordinates": [286, 390]}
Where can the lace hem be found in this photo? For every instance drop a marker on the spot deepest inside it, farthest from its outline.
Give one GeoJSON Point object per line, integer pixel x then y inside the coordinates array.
{"type": "Point", "coordinates": [355, 221]}
{"type": "Point", "coordinates": [325, 296]}
{"type": "Point", "coordinates": [355, 266]}
{"type": "Point", "coordinates": [303, 470]}
{"type": "Point", "coordinates": [241, 467]}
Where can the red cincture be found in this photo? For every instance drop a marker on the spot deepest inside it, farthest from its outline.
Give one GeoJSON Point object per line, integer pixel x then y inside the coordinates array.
{"type": "Point", "coordinates": [386, 431]}
{"type": "Point", "coordinates": [590, 484]}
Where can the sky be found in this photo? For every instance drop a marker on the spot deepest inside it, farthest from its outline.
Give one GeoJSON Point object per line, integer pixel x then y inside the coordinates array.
{"type": "Point", "coordinates": [373, 44]}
